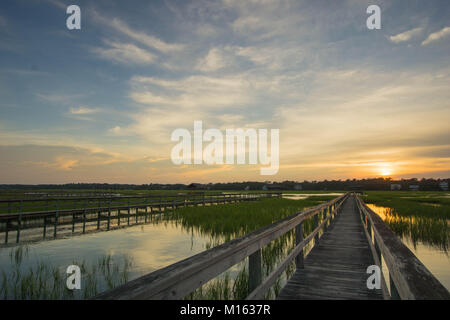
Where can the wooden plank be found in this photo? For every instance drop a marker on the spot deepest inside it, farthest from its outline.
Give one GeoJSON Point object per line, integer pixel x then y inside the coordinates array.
{"type": "Point", "coordinates": [336, 267]}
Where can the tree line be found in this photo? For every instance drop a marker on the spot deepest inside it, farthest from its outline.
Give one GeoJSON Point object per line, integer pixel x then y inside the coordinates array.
{"type": "Point", "coordinates": [343, 185]}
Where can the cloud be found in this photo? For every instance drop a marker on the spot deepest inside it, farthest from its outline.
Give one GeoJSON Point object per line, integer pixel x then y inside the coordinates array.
{"type": "Point", "coordinates": [116, 131]}
{"type": "Point", "coordinates": [193, 92]}
{"type": "Point", "coordinates": [144, 38]}
{"type": "Point", "coordinates": [139, 36]}
{"type": "Point", "coordinates": [407, 35]}
{"type": "Point", "coordinates": [213, 61]}
{"type": "Point", "coordinates": [445, 32]}
{"type": "Point", "coordinates": [125, 53]}
{"type": "Point", "coordinates": [61, 164]}
{"type": "Point", "coordinates": [83, 110]}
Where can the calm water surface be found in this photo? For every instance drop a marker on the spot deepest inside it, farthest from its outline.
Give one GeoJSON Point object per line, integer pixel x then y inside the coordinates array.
{"type": "Point", "coordinates": [150, 247]}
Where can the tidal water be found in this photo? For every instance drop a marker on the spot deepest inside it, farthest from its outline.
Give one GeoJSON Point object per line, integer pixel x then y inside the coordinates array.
{"type": "Point", "coordinates": [436, 258]}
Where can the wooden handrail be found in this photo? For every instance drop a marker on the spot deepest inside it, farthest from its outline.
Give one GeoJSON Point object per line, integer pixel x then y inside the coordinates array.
{"type": "Point", "coordinates": [409, 278]}
{"type": "Point", "coordinates": [181, 278]}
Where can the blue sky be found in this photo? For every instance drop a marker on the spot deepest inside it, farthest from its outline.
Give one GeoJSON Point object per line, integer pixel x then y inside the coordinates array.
{"type": "Point", "coordinates": [99, 104]}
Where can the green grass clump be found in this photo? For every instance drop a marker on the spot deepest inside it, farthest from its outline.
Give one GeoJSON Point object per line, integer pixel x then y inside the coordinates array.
{"type": "Point", "coordinates": [417, 216]}
{"type": "Point", "coordinates": [234, 220]}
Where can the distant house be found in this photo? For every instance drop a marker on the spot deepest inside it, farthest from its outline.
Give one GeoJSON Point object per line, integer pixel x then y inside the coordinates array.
{"type": "Point", "coordinates": [443, 185]}
{"type": "Point", "coordinates": [264, 188]}
{"type": "Point", "coordinates": [396, 186]}
{"type": "Point", "coordinates": [414, 187]}
{"type": "Point", "coordinates": [298, 187]}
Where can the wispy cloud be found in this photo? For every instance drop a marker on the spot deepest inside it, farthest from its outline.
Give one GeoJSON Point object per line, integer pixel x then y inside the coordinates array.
{"type": "Point", "coordinates": [144, 38]}
{"type": "Point", "coordinates": [125, 53]}
{"type": "Point", "coordinates": [84, 110]}
{"type": "Point", "coordinates": [406, 36]}
{"type": "Point", "coordinates": [443, 33]}
{"type": "Point", "coordinates": [83, 113]}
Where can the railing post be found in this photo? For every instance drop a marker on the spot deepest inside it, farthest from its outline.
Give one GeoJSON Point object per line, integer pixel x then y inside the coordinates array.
{"type": "Point", "coordinates": [129, 213]}
{"type": "Point", "coordinates": [45, 227]}
{"type": "Point", "coordinates": [254, 270]}
{"type": "Point", "coordinates": [109, 213]}
{"type": "Point", "coordinates": [299, 260]}
{"type": "Point", "coordinates": [19, 222]}
{"type": "Point", "coordinates": [316, 224]}
{"type": "Point", "coordinates": [6, 231]}
{"type": "Point", "coordinates": [98, 214]}
{"type": "Point", "coordinates": [84, 215]}
{"type": "Point", "coordinates": [324, 217]}
{"type": "Point", "coordinates": [56, 220]}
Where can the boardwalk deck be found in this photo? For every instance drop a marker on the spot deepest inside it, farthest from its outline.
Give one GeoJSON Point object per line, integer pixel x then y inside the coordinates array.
{"type": "Point", "coordinates": [336, 266]}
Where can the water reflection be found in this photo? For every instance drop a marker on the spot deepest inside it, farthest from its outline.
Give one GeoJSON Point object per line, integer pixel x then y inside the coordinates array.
{"type": "Point", "coordinates": [431, 231]}
{"type": "Point", "coordinates": [147, 247]}
{"type": "Point", "coordinates": [427, 238]}
{"type": "Point", "coordinates": [302, 196]}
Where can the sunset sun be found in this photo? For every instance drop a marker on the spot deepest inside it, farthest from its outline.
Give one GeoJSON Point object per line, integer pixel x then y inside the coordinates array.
{"type": "Point", "coordinates": [385, 171]}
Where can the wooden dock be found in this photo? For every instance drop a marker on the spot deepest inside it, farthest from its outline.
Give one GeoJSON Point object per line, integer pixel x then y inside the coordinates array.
{"type": "Point", "coordinates": [336, 266]}
{"type": "Point", "coordinates": [69, 214]}
{"type": "Point", "coordinates": [353, 239]}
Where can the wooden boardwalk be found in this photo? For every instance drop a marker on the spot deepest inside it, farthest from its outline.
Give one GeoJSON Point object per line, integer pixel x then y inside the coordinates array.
{"type": "Point", "coordinates": [336, 266]}
{"type": "Point", "coordinates": [354, 238]}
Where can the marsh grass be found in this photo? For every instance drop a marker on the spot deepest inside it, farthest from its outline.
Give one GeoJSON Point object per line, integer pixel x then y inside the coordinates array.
{"type": "Point", "coordinates": [420, 217]}
{"type": "Point", "coordinates": [226, 222]}
{"type": "Point", "coordinates": [45, 281]}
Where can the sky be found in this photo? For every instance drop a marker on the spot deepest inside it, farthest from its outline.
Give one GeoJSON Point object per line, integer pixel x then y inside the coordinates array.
{"type": "Point", "coordinates": [99, 104]}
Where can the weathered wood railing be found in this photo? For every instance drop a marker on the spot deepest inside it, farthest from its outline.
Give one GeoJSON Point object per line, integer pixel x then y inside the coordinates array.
{"type": "Point", "coordinates": [53, 203]}
{"type": "Point", "coordinates": [408, 277]}
{"type": "Point", "coordinates": [98, 210]}
{"type": "Point", "coordinates": [179, 279]}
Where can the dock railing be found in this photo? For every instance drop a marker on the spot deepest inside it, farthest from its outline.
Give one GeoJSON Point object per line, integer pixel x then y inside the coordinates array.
{"type": "Point", "coordinates": [408, 278]}
{"type": "Point", "coordinates": [17, 215]}
{"type": "Point", "coordinates": [180, 279]}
